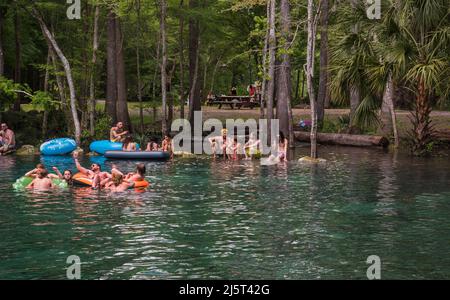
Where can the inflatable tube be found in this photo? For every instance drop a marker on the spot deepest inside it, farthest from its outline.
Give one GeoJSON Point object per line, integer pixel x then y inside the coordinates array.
{"type": "Point", "coordinates": [143, 155]}
{"type": "Point", "coordinates": [101, 147]}
{"type": "Point", "coordinates": [82, 180]}
{"type": "Point", "coordinates": [23, 182]}
{"type": "Point", "coordinates": [58, 147]}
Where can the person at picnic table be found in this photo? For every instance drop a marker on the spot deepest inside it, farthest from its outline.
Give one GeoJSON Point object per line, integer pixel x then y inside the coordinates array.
{"type": "Point", "coordinates": [210, 97]}
{"type": "Point", "coordinates": [117, 133]}
{"type": "Point", "coordinates": [95, 173]}
{"type": "Point", "coordinates": [7, 139]}
{"type": "Point", "coordinates": [129, 145]}
{"type": "Point", "coordinates": [42, 182]}
{"type": "Point", "coordinates": [233, 91]}
{"type": "Point", "coordinates": [251, 147]}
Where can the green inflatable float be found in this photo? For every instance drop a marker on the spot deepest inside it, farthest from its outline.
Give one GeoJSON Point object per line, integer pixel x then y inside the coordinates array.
{"type": "Point", "coordinates": [23, 182]}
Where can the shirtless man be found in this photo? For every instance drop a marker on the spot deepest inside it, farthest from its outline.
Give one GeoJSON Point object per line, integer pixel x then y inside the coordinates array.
{"type": "Point", "coordinates": [7, 139]}
{"type": "Point", "coordinates": [42, 182]}
{"type": "Point", "coordinates": [95, 173]}
{"type": "Point", "coordinates": [117, 134]}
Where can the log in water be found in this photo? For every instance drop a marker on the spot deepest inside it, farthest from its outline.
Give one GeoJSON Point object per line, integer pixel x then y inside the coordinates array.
{"type": "Point", "coordinates": [344, 139]}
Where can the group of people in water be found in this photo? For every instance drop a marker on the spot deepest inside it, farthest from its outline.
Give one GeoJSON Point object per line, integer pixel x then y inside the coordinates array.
{"type": "Point", "coordinates": [114, 181]}
{"type": "Point", "coordinates": [119, 135]}
{"type": "Point", "coordinates": [231, 149]}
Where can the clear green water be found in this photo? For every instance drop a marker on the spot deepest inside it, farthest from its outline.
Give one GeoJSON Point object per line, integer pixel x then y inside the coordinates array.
{"type": "Point", "coordinates": [236, 220]}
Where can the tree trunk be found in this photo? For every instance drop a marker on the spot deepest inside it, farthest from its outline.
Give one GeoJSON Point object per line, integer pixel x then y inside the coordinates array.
{"type": "Point", "coordinates": [46, 79]}
{"type": "Point", "coordinates": [323, 77]}
{"type": "Point", "coordinates": [284, 83]}
{"type": "Point", "coordinates": [194, 53]}
{"type": "Point", "coordinates": [61, 90]}
{"type": "Point", "coordinates": [272, 62]}
{"type": "Point", "coordinates": [138, 68]}
{"type": "Point", "coordinates": [162, 25]}
{"type": "Point", "coordinates": [181, 45]}
{"type": "Point", "coordinates": [264, 63]}
{"type": "Point", "coordinates": [422, 130]}
{"type": "Point", "coordinates": [67, 69]}
{"type": "Point", "coordinates": [388, 116]}
{"type": "Point", "coordinates": [355, 99]}
{"type": "Point", "coordinates": [122, 106]}
{"type": "Point", "coordinates": [310, 76]}
{"type": "Point", "coordinates": [2, 54]}
{"type": "Point", "coordinates": [18, 60]}
{"type": "Point", "coordinates": [155, 75]}
{"type": "Point", "coordinates": [111, 81]}
{"type": "Point", "coordinates": [93, 67]}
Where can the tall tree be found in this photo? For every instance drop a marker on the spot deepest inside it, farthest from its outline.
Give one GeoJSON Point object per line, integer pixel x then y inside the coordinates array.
{"type": "Point", "coordinates": [194, 58]}
{"type": "Point", "coordinates": [284, 82]}
{"type": "Point", "coordinates": [95, 45]}
{"type": "Point", "coordinates": [272, 62]}
{"type": "Point", "coordinates": [181, 51]}
{"type": "Point", "coordinates": [18, 60]}
{"type": "Point", "coordinates": [138, 66]}
{"type": "Point", "coordinates": [310, 75]}
{"type": "Point", "coordinates": [67, 69]}
{"type": "Point", "coordinates": [264, 62]}
{"type": "Point", "coordinates": [3, 10]}
{"type": "Point", "coordinates": [323, 94]}
{"type": "Point", "coordinates": [111, 81]}
{"type": "Point", "coordinates": [122, 105]}
{"type": "Point", "coordinates": [163, 7]}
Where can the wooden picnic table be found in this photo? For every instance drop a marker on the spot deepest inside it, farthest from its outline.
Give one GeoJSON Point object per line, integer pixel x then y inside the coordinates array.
{"type": "Point", "coordinates": [235, 101]}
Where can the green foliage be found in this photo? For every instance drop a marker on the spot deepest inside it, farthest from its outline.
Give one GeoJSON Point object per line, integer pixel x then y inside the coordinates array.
{"type": "Point", "coordinates": [8, 92]}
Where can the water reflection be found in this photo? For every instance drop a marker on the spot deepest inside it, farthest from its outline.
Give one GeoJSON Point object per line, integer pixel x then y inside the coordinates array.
{"type": "Point", "coordinates": [232, 220]}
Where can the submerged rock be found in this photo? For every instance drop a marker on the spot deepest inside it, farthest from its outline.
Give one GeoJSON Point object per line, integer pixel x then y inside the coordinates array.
{"type": "Point", "coordinates": [27, 150]}
{"type": "Point", "coordinates": [311, 160]}
{"type": "Point", "coordinates": [184, 154]}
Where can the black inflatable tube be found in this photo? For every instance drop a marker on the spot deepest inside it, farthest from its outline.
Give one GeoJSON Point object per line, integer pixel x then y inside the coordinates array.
{"type": "Point", "coordinates": [143, 155]}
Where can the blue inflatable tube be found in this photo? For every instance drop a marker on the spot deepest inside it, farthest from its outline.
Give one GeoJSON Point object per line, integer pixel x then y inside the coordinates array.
{"type": "Point", "coordinates": [101, 147]}
{"type": "Point", "coordinates": [58, 147]}
{"type": "Point", "coordinates": [143, 155]}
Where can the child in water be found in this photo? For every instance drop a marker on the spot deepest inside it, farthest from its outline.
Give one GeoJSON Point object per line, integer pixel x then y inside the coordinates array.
{"type": "Point", "coordinates": [213, 147]}
{"type": "Point", "coordinates": [42, 182]}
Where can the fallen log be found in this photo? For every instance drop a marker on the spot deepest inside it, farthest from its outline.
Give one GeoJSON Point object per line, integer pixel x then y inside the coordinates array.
{"type": "Point", "coordinates": [344, 139]}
